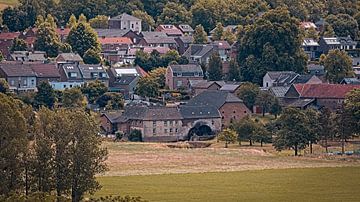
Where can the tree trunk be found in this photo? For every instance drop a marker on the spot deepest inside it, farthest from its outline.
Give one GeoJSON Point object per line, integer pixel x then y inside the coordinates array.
{"type": "Point", "coordinates": [311, 148]}
{"type": "Point", "coordinates": [26, 180]}
{"type": "Point", "coordinates": [296, 150]}
{"type": "Point", "coordinates": [261, 143]}
{"type": "Point", "coordinates": [343, 146]}
{"type": "Point", "coordinates": [275, 116]}
{"type": "Point", "coordinates": [250, 142]}
{"type": "Point", "coordinates": [226, 145]}
{"type": "Point", "coordinates": [263, 111]}
{"type": "Point", "coordinates": [326, 145]}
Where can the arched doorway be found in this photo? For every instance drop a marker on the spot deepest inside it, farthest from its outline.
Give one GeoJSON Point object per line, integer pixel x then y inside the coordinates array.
{"type": "Point", "coordinates": [200, 131]}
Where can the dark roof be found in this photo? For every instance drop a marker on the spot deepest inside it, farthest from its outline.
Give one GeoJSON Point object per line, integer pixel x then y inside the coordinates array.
{"type": "Point", "coordinates": [125, 80]}
{"type": "Point", "coordinates": [153, 34]}
{"type": "Point", "coordinates": [279, 91]}
{"type": "Point", "coordinates": [230, 87]}
{"type": "Point", "coordinates": [72, 68]}
{"type": "Point", "coordinates": [354, 81]}
{"type": "Point", "coordinates": [185, 68]}
{"type": "Point", "coordinates": [186, 28]}
{"type": "Point", "coordinates": [186, 39]}
{"type": "Point", "coordinates": [200, 49]}
{"type": "Point", "coordinates": [37, 57]}
{"type": "Point", "coordinates": [88, 70]}
{"type": "Point", "coordinates": [105, 33]}
{"type": "Point", "coordinates": [301, 103]}
{"type": "Point", "coordinates": [151, 113]}
{"type": "Point", "coordinates": [113, 116]}
{"type": "Point", "coordinates": [70, 57]}
{"type": "Point", "coordinates": [304, 78]}
{"type": "Point", "coordinates": [159, 40]}
{"type": "Point", "coordinates": [213, 98]}
{"type": "Point", "coordinates": [197, 112]}
{"type": "Point", "coordinates": [347, 41]}
{"type": "Point", "coordinates": [45, 70]}
{"type": "Point", "coordinates": [204, 84]}
{"type": "Point", "coordinates": [17, 70]}
{"type": "Point", "coordinates": [125, 17]}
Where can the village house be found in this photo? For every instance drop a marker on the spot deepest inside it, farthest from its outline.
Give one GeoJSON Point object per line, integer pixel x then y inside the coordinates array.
{"type": "Point", "coordinates": [231, 87]}
{"type": "Point", "coordinates": [125, 22]}
{"type": "Point", "coordinates": [351, 81]}
{"type": "Point", "coordinates": [164, 124]}
{"type": "Point", "coordinates": [179, 76]}
{"type": "Point", "coordinates": [158, 41]}
{"type": "Point", "coordinates": [231, 108]}
{"type": "Point", "coordinates": [186, 29]}
{"type": "Point", "coordinates": [183, 43]}
{"type": "Point", "coordinates": [115, 43]}
{"type": "Point", "coordinates": [26, 56]}
{"type": "Point", "coordinates": [70, 76]}
{"type": "Point", "coordinates": [94, 72]}
{"type": "Point", "coordinates": [311, 48]}
{"type": "Point", "coordinates": [331, 43]}
{"type": "Point", "coordinates": [200, 53]}
{"type": "Point", "coordinates": [169, 30]}
{"type": "Point", "coordinates": [45, 72]}
{"type": "Point", "coordinates": [286, 78]}
{"type": "Point", "coordinates": [224, 49]}
{"type": "Point", "coordinates": [331, 96]}
{"type": "Point", "coordinates": [115, 33]}
{"type": "Point", "coordinates": [124, 79]}
{"type": "Point", "coordinates": [20, 77]}
{"type": "Point", "coordinates": [199, 86]}
{"type": "Point", "coordinates": [73, 58]}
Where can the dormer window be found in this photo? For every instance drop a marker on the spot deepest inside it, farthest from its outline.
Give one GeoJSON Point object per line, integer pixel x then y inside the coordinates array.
{"type": "Point", "coordinates": [72, 74]}
{"type": "Point", "coordinates": [94, 74]}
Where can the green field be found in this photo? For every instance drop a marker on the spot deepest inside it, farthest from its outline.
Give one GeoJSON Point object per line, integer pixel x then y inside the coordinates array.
{"type": "Point", "coordinates": [308, 184]}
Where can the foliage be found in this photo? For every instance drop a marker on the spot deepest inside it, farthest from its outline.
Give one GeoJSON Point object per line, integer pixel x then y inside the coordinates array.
{"type": "Point", "coordinates": [72, 22]}
{"type": "Point", "coordinates": [293, 130]}
{"type": "Point", "coordinates": [229, 36]}
{"type": "Point", "coordinates": [234, 71]}
{"type": "Point", "coordinates": [312, 121]}
{"type": "Point", "coordinates": [73, 98]}
{"type": "Point", "coordinates": [4, 86]}
{"type": "Point", "coordinates": [18, 45]}
{"type": "Point", "coordinates": [147, 87]}
{"type": "Point", "coordinates": [111, 100]}
{"type": "Point", "coordinates": [82, 38]}
{"type": "Point", "coordinates": [47, 39]}
{"type": "Point", "coordinates": [1, 57]}
{"type": "Point", "coordinates": [214, 71]}
{"type": "Point", "coordinates": [154, 60]}
{"type": "Point", "coordinates": [92, 56]}
{"type": "Point", "coordinates": [147, 22]}
{"type": "Point", "coordinates": [337, 65]}
{"type": "Point", "coordinates": [45, 96]}
{"type": "Point", "coordinates": [200, 36]}
{"type": "Point", "coordinates": [175, 14]}
{"type": "Point", "coordinates": [117, 199]}
{"type": "Point", "coordinates": [228, 136]}
{"type": "Point", "coordinates": [344, 25]}
{"type": "Point", "coordinates": [272, 43]}
{"type": "Point", "coordinates": [218, 32]}
{"type": "Point", "coordinates": [248, 92]}
{"type": "Point", "coordinates": [99, 22]}
{"type": "Point", "coordinates": [275, 108]}
{"type": "Point", "coordinates": [265, 100]}
{"type": "Point", "coordinates": [352, 106]}
{"type": "Point", "coordinates": [135, 136]}
{"type": "Point", "coordinates": [94, 90]}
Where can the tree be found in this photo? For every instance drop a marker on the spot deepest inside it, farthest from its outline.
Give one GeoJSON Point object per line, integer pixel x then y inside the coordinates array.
{"type": "Point", "coordinates": [143, 60]}
{"type": "Point", "coordinates": [92, 56]}
{"type": "Point", "coordinates": [312, 34]}
{"type": "Point", "coordinates": [245, 129]}
{"type": "Point", "coordinates": [352, 107]}
{"type": "Point", "coordinates": [82, 38]}
{"type": "Point", "coordinates": [265, 100]}
{"type": "Point", "coordinates": [272, 43]}
{"type": "Point", "coordinates": [47, 39]}
{"type": "Point", "coordinates": [73, 98]}
{"type": "Point", "coordinates": [99, 22]}
{"type": "Point", "coordinates": [111, 100]}
{"type": "Point", "coordinates": [200, 36]}
{"type": "Point", "coordinates": [228, 136]}
{"type": "Point", "coordinates": [337, 65]}
{"type": "Point", "coordinates": [94, 90]}
{"type": "Point", "coordinates": [229, 36]}
{"type": "Point", "coordinates": [82, 19]}
{"type": "Point", "coordinates": [1, 57]}
{"type": "Point", "coordinates": [312, 121]}
{"type": "Point", "coordinates": [214, 71]}
{"type": "Point", "coordinates": [135, 136]}
{"type": "Point", "coordinates": [344, 25]}
{"type": "Point", "coordinates": [45, 96]}
{"type": "Point", "coordinates": [292, 131]}
{"type": "Point", "coordinates": [261, 134]}
{"type": "Point", "coordinates": [218, 32]}
{"type": "Point", "coordinates": [169, 57]}
{"type": "Point", "coordinates": [13, 141]}
{"type": "Point", "coordinates": [248, 92]}
{"type": "Point", "coordinates": [326, 125]}
{"type": "Point", "coordinates": [343, 128]}
{"type": "Point", "coordinates": [328, 31]}
{"type": "Point", "coordinates": [147, 87]}
{"type": "Point", "coordinates": [18, 45]}
{"type": "Point", "coordinates": [147, 22]}
{"type": "Point", "coordinates": [4, 86]}
{"type": "Point", "coordinates": [275, 108]}
{"type": "Point", "coordinates": [234, 71]}
{"type": "Point", "coordinates": [175, 14]}
{"type": "Point", "coordinates": [158, 75]}
{"type": "Point", "coordinates": [72, 22]}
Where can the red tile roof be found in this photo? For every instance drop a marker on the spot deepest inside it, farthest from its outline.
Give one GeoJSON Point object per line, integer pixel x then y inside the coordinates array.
{"type": "Point", "coordinates": [335, 91]}
{"type": "Point", "coordinates": [9, 35]}
{"type": "Point", "coordinates": [63, 32]}
{"type": "Point", "coordinates": [115, 40]}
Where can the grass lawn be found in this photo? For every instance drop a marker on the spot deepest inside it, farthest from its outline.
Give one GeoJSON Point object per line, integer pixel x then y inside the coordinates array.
{"type": "Point", "coordinates": [306, 184]}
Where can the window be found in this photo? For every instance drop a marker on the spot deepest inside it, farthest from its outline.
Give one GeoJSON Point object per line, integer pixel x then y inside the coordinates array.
{"type": "Point", "coordinates": [176, 130]}
{"type": "Point", "coordinates": [179, 83]}
{"type": "Point", "coordinates": [154, 131]}
{"type": "Point", "coordinates": [165, 130]}
{"type": "Point", "coordinates": [12, 82]}
{"type": "Point", "coordinates": [176, 122]}
{"type": "Point", "coordinates": [171, 122]}
{"type": "Point", "coordinates": [25, 82]}
{"type": "Point", "coordinates": [171, 130]}
{"type": "Point", "coordinates": [32, 82]}
{"type": "Point", "coordinates": [234, 112]}
{"type": "Point", "coordinates": [244, 112]}
{"type": "Point", "coordinates": [165, 123]}
{"type": "Point", "coordinates": [154, 123]}
{"type": "Point", "coordinates": [212, 122]}
{"type": "Point", "coordinates": [132, 25]}
{"type": "Point", "coordinates": [72, 74]}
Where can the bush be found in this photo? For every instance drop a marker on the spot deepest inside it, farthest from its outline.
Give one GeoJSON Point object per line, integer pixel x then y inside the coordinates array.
{"type": "Point", "coordinates": [117, 199]}
{"type": "Point", "coordinates": [118, 135]}
{"type": "Point", "coordinates": [135, 136]}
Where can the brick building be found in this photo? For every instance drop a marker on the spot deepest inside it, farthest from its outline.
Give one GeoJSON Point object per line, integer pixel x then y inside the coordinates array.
{"type": "Point", "coordinates": [179, 76]}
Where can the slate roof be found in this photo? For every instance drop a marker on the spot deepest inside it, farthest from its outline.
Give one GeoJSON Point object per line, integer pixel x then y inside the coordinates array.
{"type": "Point", "coordinates": [17, 70]}
{"type": "Point", "coordinates": [204, 84]}
{"type": "Point", "coordinates": [36, 57]}
{"type": "Point", "coordinates": [279, 91]}
{"type": "Point", "coordinates": [300, 103]}
{"type": "Point", "coordinates": [346, 41]}
{"type": "Point", "coordinates": [331, 91]}
{"type": "Point", "coordinates": [113, 116]}
{"type": "Point", "coordinates": [70, 57]}
{"type": "Point", "coordinates": [200, 49]}
{"type": "Point", "coordinates": [230, 87]}
{"type": "Point", "coordinates": [186, 39]}
{"type": "Point", "coordinates": [213, 98]}
{"type": "Point", "coordinates": [151, 113]}
{"type": "Point", "coordinates": [354, 81]}
{"type": "Point", "coordinates": [72, 68]}
{"type": "Point", "coordinates": [87, 70]}
{"type": "Point", "coordinates": [160, 40]}
{"type": "Point", "coordinates": [153, 34]}
{"type": "Point", "coordinates": [125, 80]}
{"type": "Point", "coordinates": [316, 69]}
{"type": "Point", "coordinates": [222, 44]}
{"type": "Point", "coordinates": [186, 28]}
{"type": "Point", "coordinates": [45, 70]}
{"type": "Point", "coordinates": [103, 33]}
{"type": "Point", "coordinates": [198, 112]}
{"type": "Point", "coordinates": [185, 68]}
{"type": "Point", "coordinates": [125, 17]}
{"type": "Point", "coordinates": [310, 42]}
{"type": "Point", "coordinates": [304, 78]}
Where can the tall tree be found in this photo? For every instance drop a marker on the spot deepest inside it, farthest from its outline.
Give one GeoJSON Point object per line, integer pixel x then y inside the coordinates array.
{"type": "Point", "coordinates": [111, 101]}
{"type": "Point", "coordinates": [47, 38]}
{"type": "Point", "coordinates": [18, 45]}
{"type": "Point", "coordinates": [147, 22]}
{"type": "Point", "coordinates": [200, 36]}
{"type": "Point", "coordinates": [45, 96]}
{"type": "Point", "coordinates": [248, 92]}
{"type": "Point", "coordinates": [344, 25]}
{"type": "Point", "coordinates": [338, 65]}
{"type": "Point", "coordinates": [312, 120]}
{"type": "Point", "coordinates": [293, 130]}
{"type": "Point", "coordinates": [272, 43]}
{"type": "Point", "coordinates": [218, 32]}
{"type": "Point", "coordinates": [229, 36]}
{"type": "Point", "coordinates": [234, 71]}
{"type": "Point", "coordinates": [82, 38]}
{"type": "Point", "coordinates": [214, 71]}
{"type": "Point", "coordinates": [228, 136]}
{"type": "Point", "coordinates": [352, 106]}
{"type": "Point", "coordinates": [72, 22]}
{"type": "Point", "coordinates": [92, 56]}
{"type": "Point", "coordinates": [174, 13]}
{"type": "Point", "coordinates": [264, 99]}
{"type": "Point", "coordinates": [73, 98]}
{"type": "Point", "coordinates": [94, 90]}
{"type": "Point", "coordinates": [99, 22]}
{"type": "Point", "coordinates": [326, 125]}
{"type": "Point", "coordinates": [147, 87]}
